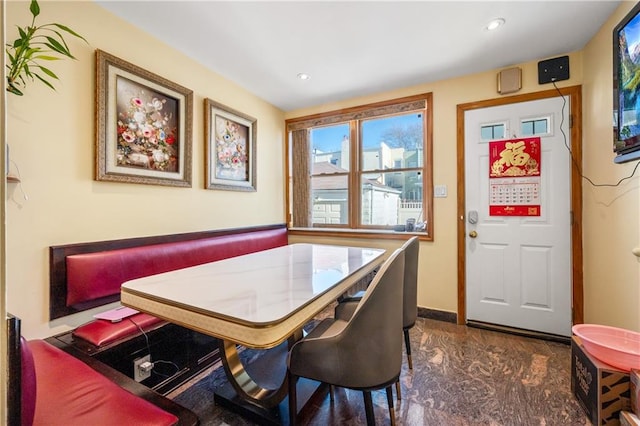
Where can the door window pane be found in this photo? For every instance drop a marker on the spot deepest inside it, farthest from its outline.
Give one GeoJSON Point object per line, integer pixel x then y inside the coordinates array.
{"type": "Point", "coordinates": [492, 131]}
{"type": "Point", "coordinates": [535, 127]}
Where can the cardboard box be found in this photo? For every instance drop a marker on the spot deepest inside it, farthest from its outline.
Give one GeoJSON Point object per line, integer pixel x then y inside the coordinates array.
{"type": "Point", "coordinates": [601, 390]}
{"type": "Point", "coordinates": [634, 388]}
{"type": "Point", "coordinates": [628, 419]}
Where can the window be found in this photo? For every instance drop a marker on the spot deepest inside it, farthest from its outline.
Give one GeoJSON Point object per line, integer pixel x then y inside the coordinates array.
{"type": "Point", "coordinates": [534, 127]}
{"type": "Point", "coordinates": [330, 174]}
{"type": "Point", "coordinates": [362, 169]}
{"type": "Point", "coordinates": [491, 132]}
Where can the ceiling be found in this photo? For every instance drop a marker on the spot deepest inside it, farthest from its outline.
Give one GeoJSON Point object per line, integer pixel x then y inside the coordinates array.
{"type": "Point", "coordinates": [356, 48]}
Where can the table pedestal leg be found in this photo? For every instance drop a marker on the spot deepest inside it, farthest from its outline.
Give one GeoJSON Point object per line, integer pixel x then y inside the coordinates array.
{"type": "Point", "coordinates": [244, 395]}
{"type": "Point", "coordinates": [242, 382]}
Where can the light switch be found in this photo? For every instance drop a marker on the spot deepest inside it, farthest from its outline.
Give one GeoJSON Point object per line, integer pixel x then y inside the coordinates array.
{"type": "Point", "coordinates": [440, 191]}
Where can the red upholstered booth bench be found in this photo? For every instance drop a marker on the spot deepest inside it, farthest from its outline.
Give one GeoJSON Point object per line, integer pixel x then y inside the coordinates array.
{"type": "Point", "coordinates": [48, 386]}
{"type": "Point", "coordinates": [94, 276]}
{"type": "Point", "coordinates": [89, 275]}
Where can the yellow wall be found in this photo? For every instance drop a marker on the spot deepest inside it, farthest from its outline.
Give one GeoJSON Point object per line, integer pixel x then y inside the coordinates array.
{"type": "Point", "coordinates": [611, 224]}
{"type": "Point", "coordinates": [611, 215]}
{"type": "Point", "coordinates": [51, 135]}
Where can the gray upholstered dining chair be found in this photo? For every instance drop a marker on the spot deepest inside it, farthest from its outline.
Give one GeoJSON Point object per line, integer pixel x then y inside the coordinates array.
{"type": "Point", "coordinates": [347, 305]}
{"type": "Point", "coordinates": [411, 248]}
{"type": "Point", "coordinates": [363, 352]}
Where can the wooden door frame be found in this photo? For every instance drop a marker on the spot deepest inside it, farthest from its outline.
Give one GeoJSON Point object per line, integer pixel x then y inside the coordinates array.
{"type": "Point", "coordinates": [574, 93]}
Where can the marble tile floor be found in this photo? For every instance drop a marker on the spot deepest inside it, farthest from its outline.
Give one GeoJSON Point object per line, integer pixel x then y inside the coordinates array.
{"type": "Point", "coordinates": [461, 376]}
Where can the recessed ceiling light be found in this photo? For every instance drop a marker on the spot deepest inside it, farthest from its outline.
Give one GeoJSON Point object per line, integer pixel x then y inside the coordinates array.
{"type": "Point", "coordinates": [495, 23]}
{"type": "Point", "coordinates": [303, 76]}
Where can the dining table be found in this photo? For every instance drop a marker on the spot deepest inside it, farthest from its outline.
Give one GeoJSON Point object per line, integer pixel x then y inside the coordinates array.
{"type": "Point", "coordinates": [261, 301]}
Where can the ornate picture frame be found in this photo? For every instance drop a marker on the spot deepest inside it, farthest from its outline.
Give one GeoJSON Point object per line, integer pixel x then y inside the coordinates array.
{"type": "Point", "coordinates": [230, 148]}
{"type": "Point", "coordinates": [144, 125]}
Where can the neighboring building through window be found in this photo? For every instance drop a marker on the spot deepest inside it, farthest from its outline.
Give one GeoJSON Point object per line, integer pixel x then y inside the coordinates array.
{"type": "Point", "coordinates": [366, 168]}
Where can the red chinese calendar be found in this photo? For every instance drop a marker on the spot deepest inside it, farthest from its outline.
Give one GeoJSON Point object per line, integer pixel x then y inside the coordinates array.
{"type": "Point", "coordinates": [514, 177]}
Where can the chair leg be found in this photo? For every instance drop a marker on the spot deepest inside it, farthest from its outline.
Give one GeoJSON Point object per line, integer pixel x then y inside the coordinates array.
{"type": "Point", "coordinates": [407, 345]}
{"type": "Point", "coordinates": [398, 391]}
{"type": "Point", "coordinates": [331, 390]}
{"type": "Point", "coordinates": [392, 412]}
{"type": "Point", "coordinates": [368, 408]}
{"type": "Point", "coordinates": [293, 400]}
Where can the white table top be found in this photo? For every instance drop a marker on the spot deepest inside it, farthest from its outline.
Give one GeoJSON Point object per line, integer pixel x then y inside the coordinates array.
{"type": "Point", "coordinates": [257, 299]}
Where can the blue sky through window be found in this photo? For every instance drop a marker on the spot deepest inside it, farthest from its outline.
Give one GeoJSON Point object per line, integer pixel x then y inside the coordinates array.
{"type": "Point", "coordinates": [329, 139]}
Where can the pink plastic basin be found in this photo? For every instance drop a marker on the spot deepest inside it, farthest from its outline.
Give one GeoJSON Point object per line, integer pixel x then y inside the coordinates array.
{"type": "Point", "coordinates": [614, 346]}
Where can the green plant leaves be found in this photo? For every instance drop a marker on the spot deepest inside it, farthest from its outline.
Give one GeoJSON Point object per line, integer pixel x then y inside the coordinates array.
{"type": "Point", "coordinates": [23, 36]}
{"type": "Point", "coordinates": [45, 81]}
{"type": "Point", "coordinates": [47, 58]}
{"type": "Point", "coordinates": [69, 30]}
{"type": "Point", "coordinates": [13, 89]}
{"type": "Point", "coordinates": [48, 72]}
{"type": "Point", "coordinates": [34, 8]}
{"type": "Point", "coordinates": [58, 47]}
{"type": "Point", "coordinates": [34, 44]}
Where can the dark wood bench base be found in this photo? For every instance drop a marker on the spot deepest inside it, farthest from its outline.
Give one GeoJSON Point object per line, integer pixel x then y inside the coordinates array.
{"type": "Point", "coordinates": [190, 351]}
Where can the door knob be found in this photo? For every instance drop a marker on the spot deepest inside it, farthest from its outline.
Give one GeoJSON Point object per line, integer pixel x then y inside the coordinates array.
{"type": "Point", "coordinates": [473, 234]}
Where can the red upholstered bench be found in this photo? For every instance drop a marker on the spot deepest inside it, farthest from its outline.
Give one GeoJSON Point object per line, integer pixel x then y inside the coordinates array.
{"type": "Point", "coordinates": [48, 386]}
{"type": "Point", "coordinates": [87, 275]}
{"type": "Point", "coordinates": [95, 276]}
{"type": "Point", "coordinates": [68, 392]}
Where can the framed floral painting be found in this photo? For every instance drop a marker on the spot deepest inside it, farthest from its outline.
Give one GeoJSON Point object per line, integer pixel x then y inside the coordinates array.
{"type": "Point", "coordinates": [230, 138]}
{"type": "Point", "coordinates": [144, 125]}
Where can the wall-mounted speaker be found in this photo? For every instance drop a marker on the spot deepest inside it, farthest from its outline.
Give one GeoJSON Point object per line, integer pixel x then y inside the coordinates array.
{"type": "Point", "coordinates": [509, 80]}
{"type": "Point", "coordinates": [555, 69]}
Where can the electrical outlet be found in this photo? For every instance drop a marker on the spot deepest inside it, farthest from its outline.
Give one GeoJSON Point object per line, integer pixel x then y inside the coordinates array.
{"type": "Point", "coordinates": [139, 373]}
{"type": "Point", "coordinates": [440, 191]}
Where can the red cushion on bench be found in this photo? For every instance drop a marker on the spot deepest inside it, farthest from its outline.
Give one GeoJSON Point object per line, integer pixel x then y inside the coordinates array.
{"type": "Point", "coordinates": [102, 332]}
{"type": "Point", "coordinates": [72, 393]}
{"type": "Point", "coordinates": [92, 276]}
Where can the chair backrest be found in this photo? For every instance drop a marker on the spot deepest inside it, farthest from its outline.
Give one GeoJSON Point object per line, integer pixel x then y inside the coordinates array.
{"type": "Point", "coordinates": [410, 292]}
{"type": "Point", "coordinates": [372, 332]}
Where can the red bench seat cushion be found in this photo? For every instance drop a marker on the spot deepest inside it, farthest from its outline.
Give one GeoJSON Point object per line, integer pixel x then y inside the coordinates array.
{"type": "Point", "coordinates": [102, 332]}
{"type": "Point", "coordinates": [69, 392]}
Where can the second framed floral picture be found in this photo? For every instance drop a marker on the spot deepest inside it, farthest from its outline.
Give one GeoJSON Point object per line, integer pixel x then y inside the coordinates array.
{"type": "Point", "coordinates": [230, 138]}
{"type": "Point", "coordinates": [144, 125]}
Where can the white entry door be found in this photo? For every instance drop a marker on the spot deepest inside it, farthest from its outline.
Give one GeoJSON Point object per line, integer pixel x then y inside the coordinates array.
{"type": "Point", "coordinates": [518, 271]}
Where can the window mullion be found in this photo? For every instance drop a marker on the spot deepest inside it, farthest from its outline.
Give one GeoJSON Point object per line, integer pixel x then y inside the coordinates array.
{"type": "Point", "coordinates": [354, 174]}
